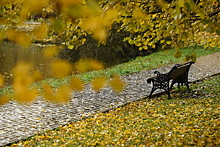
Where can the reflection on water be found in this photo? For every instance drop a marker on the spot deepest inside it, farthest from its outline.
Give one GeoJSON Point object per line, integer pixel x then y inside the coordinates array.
{"type": "Point", "coordinates": [10, 54]}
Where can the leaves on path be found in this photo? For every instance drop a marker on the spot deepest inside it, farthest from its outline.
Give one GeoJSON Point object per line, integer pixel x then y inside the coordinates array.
{"type": "Point", "coordinates": [154, 122]}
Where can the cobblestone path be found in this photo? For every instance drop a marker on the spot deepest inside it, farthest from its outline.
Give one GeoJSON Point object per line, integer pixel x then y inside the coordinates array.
{"type": "Point", "coordinates": [21, 121]}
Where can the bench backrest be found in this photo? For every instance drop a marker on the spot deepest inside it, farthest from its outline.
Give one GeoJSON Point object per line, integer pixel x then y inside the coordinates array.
{"type": "Point", "coordinates": [179, 70]}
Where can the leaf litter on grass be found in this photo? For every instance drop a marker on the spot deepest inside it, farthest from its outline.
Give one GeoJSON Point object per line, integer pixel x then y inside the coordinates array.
{"type": "Point", "coordinates": [149, 122]}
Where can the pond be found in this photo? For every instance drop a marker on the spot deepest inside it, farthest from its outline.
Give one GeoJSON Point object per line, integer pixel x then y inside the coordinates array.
{"type": "Point", "coordinates": [11, 54]}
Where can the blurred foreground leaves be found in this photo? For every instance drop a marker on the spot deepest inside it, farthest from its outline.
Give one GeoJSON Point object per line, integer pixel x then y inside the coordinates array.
{"type": "Point", "coordinates": [25, 76]}
{"type": "Point", "coordinates": [173, 23]}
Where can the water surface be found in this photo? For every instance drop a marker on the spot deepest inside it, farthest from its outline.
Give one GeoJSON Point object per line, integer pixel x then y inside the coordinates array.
{"type": "Point", "coordinates": [11, 54]}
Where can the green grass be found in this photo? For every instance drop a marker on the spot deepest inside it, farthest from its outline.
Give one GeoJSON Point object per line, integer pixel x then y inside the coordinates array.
{"type": "Point", "coordinates": [191, 118]}
{"type": "Point", "coordinates": [154, 60]}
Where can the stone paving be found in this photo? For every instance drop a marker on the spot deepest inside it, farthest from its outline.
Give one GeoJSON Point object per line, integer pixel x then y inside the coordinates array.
{"type": "Point", "coordinates": [21, 121]}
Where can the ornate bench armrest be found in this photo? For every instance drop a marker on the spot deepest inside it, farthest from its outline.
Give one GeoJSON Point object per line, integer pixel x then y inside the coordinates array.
{"type": "Point", "coordinates": [149, 80]}
{"type": "Point", "coordinates": [157, 73]}
{"type": "Point", "coordinates": [159, 78]}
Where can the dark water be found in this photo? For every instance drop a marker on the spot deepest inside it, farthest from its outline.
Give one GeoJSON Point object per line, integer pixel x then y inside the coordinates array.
{"type": "Point", "coordinates": [11, 54]}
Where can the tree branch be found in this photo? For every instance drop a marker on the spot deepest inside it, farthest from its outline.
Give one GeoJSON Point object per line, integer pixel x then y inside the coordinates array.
{"type": "Point", "coordinates": [213, 14]}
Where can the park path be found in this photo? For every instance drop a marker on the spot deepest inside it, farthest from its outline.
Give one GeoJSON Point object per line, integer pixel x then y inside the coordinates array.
{"type": "Point", "coordinates": [21, 121]}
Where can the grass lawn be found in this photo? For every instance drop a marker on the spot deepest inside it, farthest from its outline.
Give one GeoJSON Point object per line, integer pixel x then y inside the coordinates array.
{"type": "Point", "coordinates": [191, 118]}
{"type": "Point", "coordinates": [153, 60]}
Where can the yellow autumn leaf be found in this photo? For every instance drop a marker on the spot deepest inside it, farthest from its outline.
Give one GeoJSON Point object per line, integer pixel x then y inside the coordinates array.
{"type": "Point", "coordinates": [100, 34]}
{"type": "Point", "coordinates": [98, 83]}
{"type": "Point", "coordinates": [150, 43]}
{"type": "Point", "coordinates": [83, 40]}
{"type": "Point", "coordinates": [61, 68]}
{"type": "Point", "coordinates": [40, 32]}
{"type": "Point", "coordinates": [48, 92]}
{"type": "Point", "coordinates": [178, 54]}
{"type": "Point", "coordinates": [36, 75]}
{"type": "Point", "coordinates": [82, 65]}
{"type": "Point", "coordinates": [154, 16]}
{"type": "Point", "coordinates": [92, 23]}
{"type": "Point", "coordinates": [11, 34]}
{"type": "Point", "coordinates": [67, 3]}
{"type": "Point", "coordinates": [145, 47]}
{"type": "Point", "coordinates": [25, 11]}
{"type": "Point", "coordinates": [35, 5]}
{"type": "Point", "coordinates": [76, 84]}
{"type": "Point", "coordinates": [162, 41]}
{"type": "Point", "coordinates": [193, 56]}
{"type": "Point", "coordinates": [25, 95]}
{"type": "Point", "coordinates": [168, 42]}
{"type": "Point", "coordinates": [51, 51]}
{"type": "Point", "coordinates": [1, 35]}
{"type": "Point", "coordinates": [22, 68]}
{"type": "Point", "coordinates": [21, 82]}
{"type": "Point", "coordinates": [162, 4]}
{"type": "Point", "coordinates": [70, 46]}
{"type": "Point", "coordinates": [83, 2]}
{"type": "Point", "coordinates": [63, 94]}
{"type": "Point", "coordinates": [70, 8]}
{"type": "Point", "coordinates": [4, 99]}
{"type": "Point", "coordinates": [181, 3]}
{"type": "Point", "coordinates": [1, 80]}
{"type": "Point", "coordinates": [23, 39]}
{"type": "Point", "coordinates": [117, 84]}
{"type": "Point", "coordinates": [137, 13]}
{"type": "Point", "coordinates": [95, 25]}
{"type": "Point", "coordinates": [138, 44]}
{"type": "Point", "coordinates": [145, 42]}
{"type": "Point", "coordinates": [187, 58]}
{"type": "Point", "coordinates": [112, 13]}
{"type": "Point", "coordinates": [93, 7]}
{"type": "Point", "coordinates": [96, 65]}
{"type": "Point", "coordinates": [22, 74]}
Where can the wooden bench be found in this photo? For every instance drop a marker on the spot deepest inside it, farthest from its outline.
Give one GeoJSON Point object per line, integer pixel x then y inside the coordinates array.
{"type": "Point", "coordinates": [178, 74]}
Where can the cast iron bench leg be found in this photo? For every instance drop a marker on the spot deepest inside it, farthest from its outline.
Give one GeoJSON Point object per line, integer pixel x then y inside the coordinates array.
{"type": "Point", "coordinates": [168, 92]}
{"type": "Point", "coordinates": [152, 90]}
{"type": "Point", "coordinates": [164, 86]}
